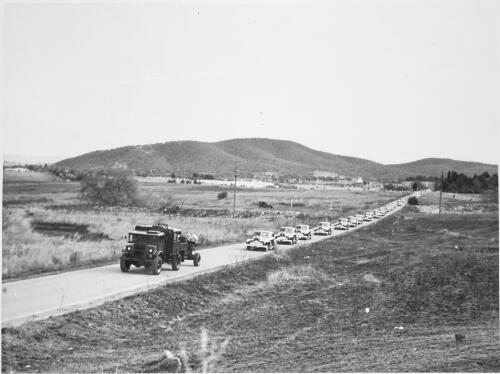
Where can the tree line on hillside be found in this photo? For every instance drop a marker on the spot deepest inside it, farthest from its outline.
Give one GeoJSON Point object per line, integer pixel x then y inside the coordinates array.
{"type": "Point", "coordinates": [422, 178]}
{"type": "Point", "coordinates": [461, 183]}
{"type": "Point", "coordinates": [395, 187]}
{"type": "Point", "coordinates": [77, 175]}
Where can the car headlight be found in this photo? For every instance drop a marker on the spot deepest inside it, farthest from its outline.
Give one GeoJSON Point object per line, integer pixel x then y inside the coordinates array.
{"type": "Point", "coordinates": [150, 250]}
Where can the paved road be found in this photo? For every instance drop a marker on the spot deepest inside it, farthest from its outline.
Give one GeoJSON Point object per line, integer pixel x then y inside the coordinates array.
{"type": "Point", "coordinates": [41, 297]}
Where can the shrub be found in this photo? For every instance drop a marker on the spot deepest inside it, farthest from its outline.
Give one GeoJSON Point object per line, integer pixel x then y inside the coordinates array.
{"type": "Point", "coordinates": [222, 195]}
{"type": "Point", "coordinates": [263, 204]}
{"type": "Point", "coordinates": [416, 186]}
{"type": "Point", "coordinates": [413, 200]}
{"type": "Point", "coordinates": [117, 189]}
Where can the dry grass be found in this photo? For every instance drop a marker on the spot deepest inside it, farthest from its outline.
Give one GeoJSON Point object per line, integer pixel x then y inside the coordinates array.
{"type": "Point", "coordinates": [317, 308]}
{"type": "Point", "coordinates": [314, 203]}
{"type": "Point", "coordinates": [459, 203]}
{"type": "Point", "coordinates": [28, 252]}
{"type": "Point", "coordinates": [297, 273]}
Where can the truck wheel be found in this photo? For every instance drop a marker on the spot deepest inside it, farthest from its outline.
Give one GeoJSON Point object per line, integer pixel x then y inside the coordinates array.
{"type": "Point", "coordinates": [124, 266]}
{"type": "Point", "coordinates": [156, 267]}
{"type": "Point", "coordinates": [176, 262]}
{"type": "Point", "coordinates": [196, 259]}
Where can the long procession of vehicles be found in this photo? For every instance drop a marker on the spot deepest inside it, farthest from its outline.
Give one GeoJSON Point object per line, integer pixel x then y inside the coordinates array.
{"type": "Point", "coordinates": [152, 246]}
{"type": "Point", "coordinates": [286, 235]}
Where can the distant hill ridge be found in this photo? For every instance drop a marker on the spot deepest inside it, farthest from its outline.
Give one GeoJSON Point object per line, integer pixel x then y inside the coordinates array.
{"type": "Point", "coordinates": [256, 155]}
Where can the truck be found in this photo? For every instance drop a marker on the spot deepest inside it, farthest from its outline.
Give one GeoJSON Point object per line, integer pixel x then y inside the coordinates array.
{"type": "Point", "coordinates": [152, 246]}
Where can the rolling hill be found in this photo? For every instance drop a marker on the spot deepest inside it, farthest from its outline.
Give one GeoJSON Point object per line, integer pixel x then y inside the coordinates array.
{"type": "Point", "coordinates": [251, 156]}
{"type": "Point", "coordinates": [434, 167]}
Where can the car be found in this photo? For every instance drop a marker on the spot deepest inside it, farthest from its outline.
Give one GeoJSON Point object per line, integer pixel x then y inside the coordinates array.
{"type": "Point", "coordinates": [261, 239]}
{"type": "Point", "coordinates": [376, 214]}
{"type": "Point", "coordinates": [352, 221]}
{"type": "Point", "coordinates": [153, 245]}
{"type": "Point", "coordinates": [303, 232]}
{"type": "Point", "coordinates": [342, 224]}
{"type": "Point", "coordinates": [368, 217]}
{"type": "Point", "coordinates": [359, 217]}
{"type": "Point", "coordinates": [286, 235]}
{"type": "Point", "coordinates": [324, 228]}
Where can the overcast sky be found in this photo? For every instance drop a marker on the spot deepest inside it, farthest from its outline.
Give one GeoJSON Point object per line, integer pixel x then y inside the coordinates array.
{"type": "Point", "coordinates": [390, 81]}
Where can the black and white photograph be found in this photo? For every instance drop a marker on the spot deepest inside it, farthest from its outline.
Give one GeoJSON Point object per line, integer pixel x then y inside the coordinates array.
{"type": "Point", "coordinates": [254, 186]}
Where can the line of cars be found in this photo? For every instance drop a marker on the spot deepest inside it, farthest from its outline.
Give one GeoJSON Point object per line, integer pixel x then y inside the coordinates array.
{"type": "Point", "coordinates": [267, 240]}
{"type": "Point", "coordinates": [358, 219]}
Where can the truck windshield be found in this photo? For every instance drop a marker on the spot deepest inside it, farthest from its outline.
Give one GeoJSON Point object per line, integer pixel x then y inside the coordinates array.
{"type": "Point", "coordinates": [143, 239]}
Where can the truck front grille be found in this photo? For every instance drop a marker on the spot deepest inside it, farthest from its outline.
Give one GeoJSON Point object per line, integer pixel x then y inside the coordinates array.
{"type": "Point", "coordinates": [139, 251]}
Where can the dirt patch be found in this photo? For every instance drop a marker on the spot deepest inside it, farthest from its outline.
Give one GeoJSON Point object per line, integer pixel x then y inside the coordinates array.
{"type": "Point", "coordinates": [361, 261]}
{"type": "Point", "coordinates": [451, 209]}
{"type": "Point", "coordinates": [428, 209]}
{"type": "Point", "coordinates": [68, 230]}
{"type": "Point", "coordinates": [453, 234]}
{"type": "Point", "coordinates": [371, 278]}
{"type": "Point", "coordinates": [297, 273]}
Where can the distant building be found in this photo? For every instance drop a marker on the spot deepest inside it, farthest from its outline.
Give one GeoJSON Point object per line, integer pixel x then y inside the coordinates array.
{"type": "Point", "coordinates": [324, 174]}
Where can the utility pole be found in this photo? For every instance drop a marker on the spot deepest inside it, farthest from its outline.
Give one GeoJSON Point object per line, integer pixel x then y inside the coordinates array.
{"type": "Point", "coordinates": [234, 194]}
{"type": "Point", "coordinates": [440, 194]}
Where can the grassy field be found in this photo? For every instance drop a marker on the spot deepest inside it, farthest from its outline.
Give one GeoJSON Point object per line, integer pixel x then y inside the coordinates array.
{"type": "Point", "coordinates": [460, 203]}
{"type": "Point", "coordinates": [390, 297]}
{"type": "Point", "coordinates": [312, 204]}
{"type": "Point", "coordinates": [98, 238]}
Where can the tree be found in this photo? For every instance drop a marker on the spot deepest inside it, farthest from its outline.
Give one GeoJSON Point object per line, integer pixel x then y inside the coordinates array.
{"type": "Point", "coordinates": [417, 186]}
{"type": "Point", "coordinates": [413, 200]}
{"type": "Point", "coordinates": [114, 189]}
